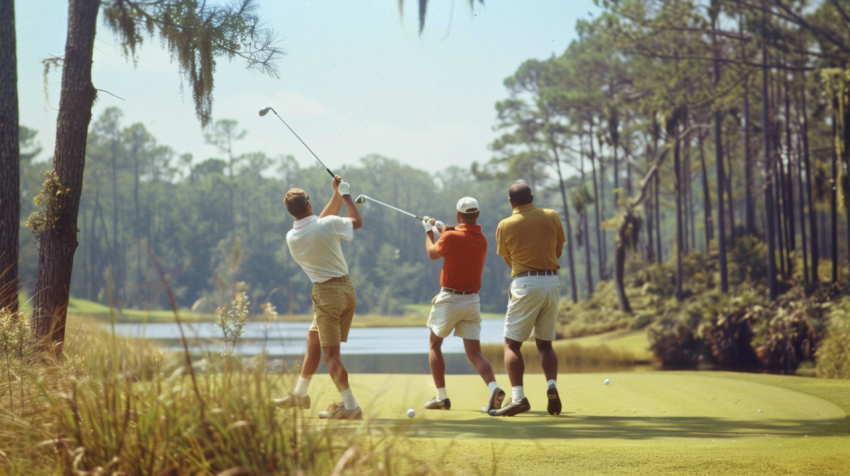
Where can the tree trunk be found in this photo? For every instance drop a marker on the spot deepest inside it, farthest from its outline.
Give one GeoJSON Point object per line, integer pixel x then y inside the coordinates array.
{"type": "Point", "coordinates": [768, 183]}
{"type": "Point", "coordinates": [603, 253]}
{"type": "Point", "coordinates": [778, 212]}
{"type": "Point", "coordinates": [58, 240]}
{"type": "Point", "coordinates": [10, 162]}
{"type": "Point", "coordinates": [650, 214]}
{"type": "Point", "coordinates": [749, 199]}
{"type": "Point", "coordinates": [834, 201]}
{"type": "Point", "coordinates": [680, 235]}
{"type": "Point", "coordinates": [620, 267]}
{"type": "Point", "coordinates": [789, 189]}
{"type": "Point", "coordinates": [596, 199]}
{"type": "Point", "coordinates": [657, 200]}
{"type": "Point", "coordinates": [588, 264]}
{"type": "Point", "coordinates": [813, 214]}
{"type": "Point", "coordinates": [845, 158]}
{"type": "Point", "coordinates": [721, 175]}
{"type": "Point", "coordinates": [706, 195]}
{"type": "Point", "coordinates": [573, 284]}
{"type": "Point", "coordinates": [802, 203]}
{"type": "Point", "coordinates": [730, 199]}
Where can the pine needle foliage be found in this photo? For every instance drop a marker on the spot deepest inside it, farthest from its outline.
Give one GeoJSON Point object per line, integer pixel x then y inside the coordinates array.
{"type": "Point", "coordinates": [196, 34]}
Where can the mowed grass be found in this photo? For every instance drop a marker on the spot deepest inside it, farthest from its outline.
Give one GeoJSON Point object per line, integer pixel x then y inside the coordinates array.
{"type": "Point", "coordinates": [642, 423]}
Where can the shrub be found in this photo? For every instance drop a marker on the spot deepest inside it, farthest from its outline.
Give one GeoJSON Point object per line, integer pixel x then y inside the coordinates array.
{"type": "Point", "coordinates": [674, 343]}
{"type": "Point", "coordinates": [833, 353]}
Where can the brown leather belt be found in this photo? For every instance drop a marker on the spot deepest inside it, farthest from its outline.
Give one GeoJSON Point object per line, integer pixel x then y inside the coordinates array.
{"type": "Point", "coordinates": [536, 273]}
{"type": "Point", "coordinates": [339, 279]}
{"type": "Point", "coordinates": [454, 291]}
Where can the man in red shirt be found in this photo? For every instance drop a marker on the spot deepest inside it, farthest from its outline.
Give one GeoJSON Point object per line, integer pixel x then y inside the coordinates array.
{"type": "Point", "coordinates": [458, 307]}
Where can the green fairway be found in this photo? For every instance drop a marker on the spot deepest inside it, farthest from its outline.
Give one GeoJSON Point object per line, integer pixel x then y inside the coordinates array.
{"type": "Point", "coordinates": [642, 423]}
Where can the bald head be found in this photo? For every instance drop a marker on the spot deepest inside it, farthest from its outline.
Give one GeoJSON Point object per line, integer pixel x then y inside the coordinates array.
{"type": "Point", "coordinates": [520, 194]}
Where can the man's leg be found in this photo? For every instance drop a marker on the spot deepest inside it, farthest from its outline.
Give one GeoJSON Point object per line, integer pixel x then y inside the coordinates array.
{"type": "Point", "coordinates": [514, 364]}
{"type": "Point", "coordinates": [336, 368]}
{"type": "Point", "coordinates": [299, 397]}
{"type": "Point", "coordinates": [477, 359]}
{"type": "Point", "coordinates": [436, 362]}
{"type": "Point", "coordinates": [485, 370]}
{"type": "Point", "coordinates": [548, 359]}
{"type": "Point", "coordinates": [313, 356]}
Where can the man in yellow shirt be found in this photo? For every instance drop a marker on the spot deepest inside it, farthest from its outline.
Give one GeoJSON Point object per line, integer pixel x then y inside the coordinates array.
{"type": "Point", "coordinates": [530, 241]}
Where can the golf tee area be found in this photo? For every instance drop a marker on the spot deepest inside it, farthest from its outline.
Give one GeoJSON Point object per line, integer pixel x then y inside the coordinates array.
{"type": "Point", "coordinates": [641, 423]}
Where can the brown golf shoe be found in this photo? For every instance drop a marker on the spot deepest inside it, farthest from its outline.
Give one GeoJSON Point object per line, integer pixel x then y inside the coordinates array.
{"type": "Point", "coordinates": [512, 408]}
{"type": "Point", "coordinates": [438, 404]}
{"type": "Point", "coordinates": [496, 399]}
{"type": "Point", "coordinates": [554, 407]}
{"type": "Point", "coordinates": [337, 411]}
{"type": "Point", "coordinates": [293, 401]}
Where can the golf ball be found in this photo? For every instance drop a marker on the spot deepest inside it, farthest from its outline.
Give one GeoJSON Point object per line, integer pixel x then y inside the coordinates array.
{"type": "Point", "coordinates": [411, 413]}
{"type": "Point", "coordinates": [606, 382]}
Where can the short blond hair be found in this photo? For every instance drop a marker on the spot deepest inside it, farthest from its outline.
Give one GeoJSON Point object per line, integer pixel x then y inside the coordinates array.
{"type": "Point", "coordinates": [296, 202]}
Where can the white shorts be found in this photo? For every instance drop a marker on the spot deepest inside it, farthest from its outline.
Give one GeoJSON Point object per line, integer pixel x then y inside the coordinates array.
{"type": "Point", "coordinates": [533, 305]}
{"type": "Point", "coordinates": [461, 312]}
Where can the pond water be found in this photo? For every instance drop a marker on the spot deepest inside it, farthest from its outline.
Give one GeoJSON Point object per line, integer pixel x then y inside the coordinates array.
{"type": "Point", "coordinates": [368, 350]}
{"type": "Point", "coordinates": [288, 338]}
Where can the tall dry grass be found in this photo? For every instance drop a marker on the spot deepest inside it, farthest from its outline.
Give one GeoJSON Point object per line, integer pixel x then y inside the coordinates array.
{"type": "Point", "coordinates": [121, 406]}
{"type": "Point", "coordinates": [571, 358]}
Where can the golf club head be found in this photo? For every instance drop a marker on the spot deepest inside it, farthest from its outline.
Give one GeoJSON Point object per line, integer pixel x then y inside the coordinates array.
{"type": "Point", "coordinates": [264, 111]}
{"type": "Point", "coordinates": [360, 200]}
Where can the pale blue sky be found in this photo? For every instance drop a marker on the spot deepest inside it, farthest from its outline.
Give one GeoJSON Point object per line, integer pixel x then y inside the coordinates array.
{"type": "Point", "coordinates": [356, 79]}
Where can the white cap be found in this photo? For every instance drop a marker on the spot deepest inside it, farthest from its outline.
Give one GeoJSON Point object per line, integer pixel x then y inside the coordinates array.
{"type": "Point", "coordinates": [467, 205]}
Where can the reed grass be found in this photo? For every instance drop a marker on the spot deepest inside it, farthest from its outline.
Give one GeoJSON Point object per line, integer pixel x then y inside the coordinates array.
{"type": "Point", "coordinates": [572, 357]}
{"type": "Point", "coordinates": [122, 406]}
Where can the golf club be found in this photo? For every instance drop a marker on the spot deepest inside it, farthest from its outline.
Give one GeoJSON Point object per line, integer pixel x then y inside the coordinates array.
{"type": "Point", "coordinates": [266, 110]}
{"type": "Point", "coordinates": [362, 199]}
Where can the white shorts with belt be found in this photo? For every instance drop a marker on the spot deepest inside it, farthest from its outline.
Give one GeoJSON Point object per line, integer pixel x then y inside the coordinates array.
{"type": "Point", "coordinates": [533, 306]}
{"type": "Point", "coordinates": [461, 312]}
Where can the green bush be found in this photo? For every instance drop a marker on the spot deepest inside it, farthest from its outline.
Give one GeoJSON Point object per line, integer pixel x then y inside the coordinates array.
{"type": "Point", "coordinates": [833, 353]}
{"type": "Point", "coordinates": [674, 343]}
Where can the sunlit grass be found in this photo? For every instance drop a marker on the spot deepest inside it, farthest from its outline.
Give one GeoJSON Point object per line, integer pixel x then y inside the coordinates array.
{"type": "Point", "coordinates": [122, 406]}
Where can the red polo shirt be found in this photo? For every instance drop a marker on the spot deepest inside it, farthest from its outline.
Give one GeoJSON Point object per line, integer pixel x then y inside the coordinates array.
{"type": "Point", "coordinates": [464, 250]}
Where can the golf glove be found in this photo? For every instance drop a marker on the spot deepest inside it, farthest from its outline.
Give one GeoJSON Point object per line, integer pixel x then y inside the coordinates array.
{"type": "Point", "coordinates": [344, 188]}
{"type": "Point", "coordinates": [426, 223]}
{"type": "Point", "coordinates": [439, 224]}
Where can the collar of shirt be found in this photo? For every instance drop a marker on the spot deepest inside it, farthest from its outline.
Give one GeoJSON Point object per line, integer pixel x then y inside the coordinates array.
{"type": "Point", "coordinates": [468, 228]}
{"type": "Point", "coordinates": [299, 224]}
{"type": "Point", "coordinates": [523, 208]}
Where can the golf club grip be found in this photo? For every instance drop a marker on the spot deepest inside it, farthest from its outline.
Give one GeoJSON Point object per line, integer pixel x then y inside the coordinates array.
{"type": "Point", "coordinates": [329, 171]}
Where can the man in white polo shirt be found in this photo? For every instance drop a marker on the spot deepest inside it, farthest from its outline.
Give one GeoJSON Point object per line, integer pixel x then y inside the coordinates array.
{"type": "Point", "coordinates": [314, 244]}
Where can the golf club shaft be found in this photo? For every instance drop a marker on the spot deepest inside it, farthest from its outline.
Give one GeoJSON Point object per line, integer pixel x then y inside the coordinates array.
{"type": "Point", "coordinates": [305, 144]}
{"type": "Point", "coordinates": [394, 208]}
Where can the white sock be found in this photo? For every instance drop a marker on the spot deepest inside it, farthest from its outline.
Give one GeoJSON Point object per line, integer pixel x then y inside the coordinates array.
{"type": "Point", "coordinates": [301, 387]}
{"type": "Point", "coordinates": [492, 386]}
{"type": "Point", "coordinates": [551, 383]}
{"type": "Point", "coordinates": [517, 393]}
{"type": "Point", "coordinates": [442, 394]}
{"type": "Point", "coordinates": [348, 399]}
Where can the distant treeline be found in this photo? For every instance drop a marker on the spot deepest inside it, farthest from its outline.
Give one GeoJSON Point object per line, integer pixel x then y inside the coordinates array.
{"type": "Point", "coordinates": [213, 223]}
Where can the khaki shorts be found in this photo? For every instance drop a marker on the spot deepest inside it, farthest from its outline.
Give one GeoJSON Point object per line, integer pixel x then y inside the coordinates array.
{"type": "Point", "coordinates": [333, 309]}
{"type": "Point", "coordinates": [458, 312]}
{"type": "Point", "coordinates": [533, 306]}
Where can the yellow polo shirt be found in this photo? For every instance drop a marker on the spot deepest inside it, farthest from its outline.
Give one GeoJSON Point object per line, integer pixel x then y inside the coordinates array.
{"type": "Point", "coordinates": [529, 240]}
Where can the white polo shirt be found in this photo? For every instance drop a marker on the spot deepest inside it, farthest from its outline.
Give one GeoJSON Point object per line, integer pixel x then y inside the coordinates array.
{"type": "Point", "coordinates": [314, 244]}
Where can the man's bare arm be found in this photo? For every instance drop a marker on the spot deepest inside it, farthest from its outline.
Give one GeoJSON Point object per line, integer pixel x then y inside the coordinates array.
{"type": "Point", "coordinates": [335, 204]}
{"type": "Point", "coordinates": [353, 211]}
{"type": "Point", "coordinates": [429, 246]}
